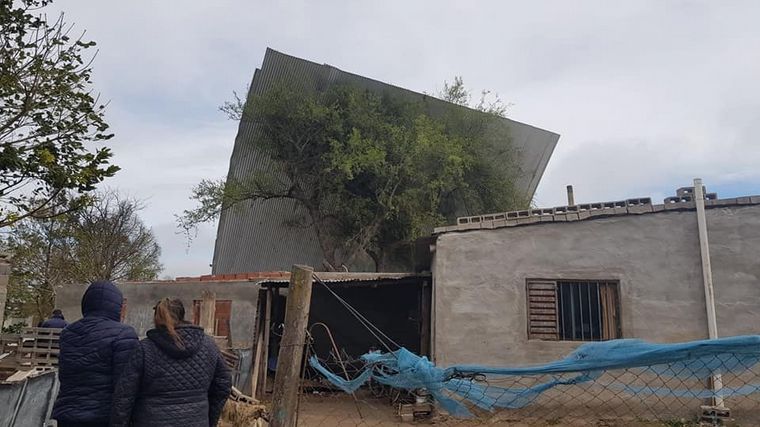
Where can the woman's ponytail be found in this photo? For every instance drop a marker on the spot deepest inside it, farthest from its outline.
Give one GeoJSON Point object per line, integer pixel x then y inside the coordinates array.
{"type": "Point", "coordinates": [169, 314]}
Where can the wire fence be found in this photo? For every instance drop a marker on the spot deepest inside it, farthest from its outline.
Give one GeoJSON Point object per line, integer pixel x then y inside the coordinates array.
{"type": "Point", "coordinates": [671, 394]}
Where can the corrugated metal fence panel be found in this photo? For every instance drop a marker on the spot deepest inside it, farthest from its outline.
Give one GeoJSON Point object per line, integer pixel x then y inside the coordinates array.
{"type": "Point", "coordinates": [28, 402]}
{"type": "Point", "coordinates": [259, 236]}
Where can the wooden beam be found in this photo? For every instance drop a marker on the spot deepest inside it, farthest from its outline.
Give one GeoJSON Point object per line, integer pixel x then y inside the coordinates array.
{"type": "Point", "coordinates": [208, 312]}
{"type": "Point", "coordinates": [287, 380]}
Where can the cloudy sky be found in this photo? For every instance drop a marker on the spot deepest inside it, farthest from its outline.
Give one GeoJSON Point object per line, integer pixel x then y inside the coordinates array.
{"type": "Point", "coordinates": [646, 95]}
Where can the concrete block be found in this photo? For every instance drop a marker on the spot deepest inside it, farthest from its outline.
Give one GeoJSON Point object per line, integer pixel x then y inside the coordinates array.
{"type": "Point", "coordinates": [470, 226]}
{"type": "Point", "coordinates": [528, 220]}
{"type": "Point", "coordinates": [523, 214]}
{"type": "Point", "coordinates": [754, 199]}
{"type": "Point", "coordinates": [547, 218]}
{"type": "Point", "coordinates": [620, 210]}
{"type": "Point", "coordinates": [658, 208]}
{"type": "Point", "coordinates": [572, 216]}
{"type": "Point", "coordinates": [600, 212]}
{"type": "Point", "coordinates": [562, 217]}
{"type": "Point", "coordinates": [511, 222]}
{"type": "Point", "coordinates": [584, 215]}
{"type": "Point", "coordinates": [498, 223]}
{"type": "Point", "coordinates": [743, 201]}
{"type": "Point", "coordinates": [512, 214]}
{"type": "Point", "coordinates": [723, 202]}
{"type": "Point", "coordinates": [684, 191]}
{"type": "Point", "coordinates": [487, 224]}
{"type": "Point", "coordinates": [560, 210]}
{"type": "Point", "coordinates": [440, 230]}
{"type": "Point", "coordinates": [639, 209]}
{"type": "Point", "coordinates": [669, 200]}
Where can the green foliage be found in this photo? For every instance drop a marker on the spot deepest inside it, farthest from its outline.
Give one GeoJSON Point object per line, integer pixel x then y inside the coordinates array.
{"type": "Point", "coordinates": [48, 115]}
{"type": "Point", "coordinates": [103, 240]}
{"type": "Point", "coordinates": [372, 171]}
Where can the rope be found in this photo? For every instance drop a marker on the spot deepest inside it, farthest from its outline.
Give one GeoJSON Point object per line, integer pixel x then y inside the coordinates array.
{"type": "Point", "coordinates": [374, 330]}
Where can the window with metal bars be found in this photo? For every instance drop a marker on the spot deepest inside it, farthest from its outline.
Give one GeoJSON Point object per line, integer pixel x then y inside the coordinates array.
{"type": "Point", "coordinates": [573, 310]}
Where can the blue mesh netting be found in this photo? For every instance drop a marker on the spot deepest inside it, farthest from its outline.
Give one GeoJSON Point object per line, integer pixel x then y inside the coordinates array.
{"type": "Point", "coordinates": [456, 385]}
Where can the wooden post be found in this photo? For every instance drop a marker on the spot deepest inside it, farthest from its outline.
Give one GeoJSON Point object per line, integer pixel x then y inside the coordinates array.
{"type": "Point", "coordinates": [287, 380]}
{"type": "Point", "coordinates": [208, 312]}
{"type": "Point", "coordinates": [250, 385]}
{"type": "Point", "coordinates": [265, 349]}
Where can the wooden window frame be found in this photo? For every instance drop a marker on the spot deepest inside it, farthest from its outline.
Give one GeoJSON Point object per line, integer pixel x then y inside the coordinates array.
{"type": "Point", "coordinates": [228, 325]}
{"type": "Point", "coordinates": [544, 312]}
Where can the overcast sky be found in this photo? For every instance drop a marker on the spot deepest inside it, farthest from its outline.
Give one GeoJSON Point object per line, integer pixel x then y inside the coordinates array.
{"type": "Point", "coordinates": [645, 95]}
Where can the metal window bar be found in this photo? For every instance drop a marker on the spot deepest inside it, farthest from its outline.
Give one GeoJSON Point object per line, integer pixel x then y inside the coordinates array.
{"type": "Point", "coordinates": [592, 307]}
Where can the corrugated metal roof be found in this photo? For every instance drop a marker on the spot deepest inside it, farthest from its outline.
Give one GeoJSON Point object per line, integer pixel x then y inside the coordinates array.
{"type": "Point", "coordinates": [254, 236]}
{"type": "Point", "coordinates": [284, 277]}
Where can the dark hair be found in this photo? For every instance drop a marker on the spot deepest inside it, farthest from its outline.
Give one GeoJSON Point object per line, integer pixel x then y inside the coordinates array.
{"type": "Point", "coordinates": [169, 314]}
{"type": "Point", "coordinates": [57, 312]}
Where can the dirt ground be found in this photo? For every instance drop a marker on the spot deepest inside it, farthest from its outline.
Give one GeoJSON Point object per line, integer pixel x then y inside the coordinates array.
{"type": "Point", "coordinates": [342, 410]}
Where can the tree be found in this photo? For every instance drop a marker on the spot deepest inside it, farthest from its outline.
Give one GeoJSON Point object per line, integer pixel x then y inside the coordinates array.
{"type": "Point", "coordinates": [51, 125]}
{"type": "Point", "coordinates": [373, 172]}
{"type": "Point", "coordinates": [104, 240]}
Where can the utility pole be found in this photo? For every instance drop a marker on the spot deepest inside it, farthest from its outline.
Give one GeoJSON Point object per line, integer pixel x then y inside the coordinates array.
{"type": "Point", "coordinates": [287, 380]}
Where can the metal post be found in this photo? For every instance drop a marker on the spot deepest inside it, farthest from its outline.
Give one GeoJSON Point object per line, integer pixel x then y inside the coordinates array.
{"type": "Point", "coordinates": [287, 378]}
{"type": "Point", "coordinates": [704, 249]}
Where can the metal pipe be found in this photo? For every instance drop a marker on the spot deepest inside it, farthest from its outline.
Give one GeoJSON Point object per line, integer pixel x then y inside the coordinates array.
{"type": "Point", "coordinates": [704, 250]}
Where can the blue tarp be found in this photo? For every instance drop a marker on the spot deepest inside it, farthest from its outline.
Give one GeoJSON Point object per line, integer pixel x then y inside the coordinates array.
{"type": "Point", "coordinates": [692, 360]}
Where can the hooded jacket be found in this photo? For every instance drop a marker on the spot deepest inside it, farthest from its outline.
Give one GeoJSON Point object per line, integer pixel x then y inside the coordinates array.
{"type": "Point", "coordinates": [55, 321]}
{"type": "Point", "coordinates": [93, 351]}
{"type": "Point", "coordinates": [170, 384]}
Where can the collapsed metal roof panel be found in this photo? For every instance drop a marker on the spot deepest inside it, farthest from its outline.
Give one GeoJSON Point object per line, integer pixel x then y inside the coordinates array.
{"type": "Point", "coordinates": [254, 236]}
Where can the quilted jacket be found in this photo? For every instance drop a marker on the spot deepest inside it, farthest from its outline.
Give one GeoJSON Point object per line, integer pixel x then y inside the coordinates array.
{"type": "Point", "coordinates": [169, 385]}
{"type": "Point", "coordinates": [93, 352]}
{"type": "Point", "coordinates": [55, 321]}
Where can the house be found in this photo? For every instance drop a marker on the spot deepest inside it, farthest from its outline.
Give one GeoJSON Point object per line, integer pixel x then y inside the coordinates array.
{"type": "Point", "coordinates": [260, 235]}
{"type": "Point", "coordinates": [527, 287]}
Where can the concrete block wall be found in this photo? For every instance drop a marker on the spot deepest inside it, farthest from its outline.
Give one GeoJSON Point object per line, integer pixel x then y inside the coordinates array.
{"type": "Point", "coordinates": [480, 279]}
{"type": "Point", "coordinates": [142, 297]}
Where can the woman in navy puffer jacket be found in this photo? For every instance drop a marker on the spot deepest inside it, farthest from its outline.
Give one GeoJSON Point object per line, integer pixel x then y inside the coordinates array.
{"type": "Point", "coordinates": [94, 350]}
{"type": "Point", "coordinates": [176, 377]}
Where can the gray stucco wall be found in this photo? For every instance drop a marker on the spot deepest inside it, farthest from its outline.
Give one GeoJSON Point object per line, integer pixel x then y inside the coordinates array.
{"type": "Point", "coordinates": [141, 297]}
{"type": "Point", "coordinates": [480, 280]}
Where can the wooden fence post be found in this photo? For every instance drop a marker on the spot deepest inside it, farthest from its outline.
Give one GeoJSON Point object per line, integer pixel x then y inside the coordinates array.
{"type": "Point", "coordinates": [287, 379]}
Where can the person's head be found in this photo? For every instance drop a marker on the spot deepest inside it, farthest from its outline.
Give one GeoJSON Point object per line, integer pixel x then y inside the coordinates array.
{"type": "Point", "coordinates": [169, 313]}
{"type": "Point", "coordinates": [58, 313]}
{"type": "Point", "coordinates": [102, 299]}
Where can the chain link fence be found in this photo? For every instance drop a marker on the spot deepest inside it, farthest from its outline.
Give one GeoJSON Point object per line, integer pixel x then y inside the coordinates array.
{"type": "Point", "coordinates": [722, 389]}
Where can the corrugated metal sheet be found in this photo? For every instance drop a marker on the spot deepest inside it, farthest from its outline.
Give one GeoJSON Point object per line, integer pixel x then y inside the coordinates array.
{"type": "Point", "coordinates": [259, 236]}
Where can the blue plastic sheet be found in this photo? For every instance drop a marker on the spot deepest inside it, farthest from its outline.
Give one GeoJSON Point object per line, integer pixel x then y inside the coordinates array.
{"type": "Point", "coordinates": [454, 386]}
